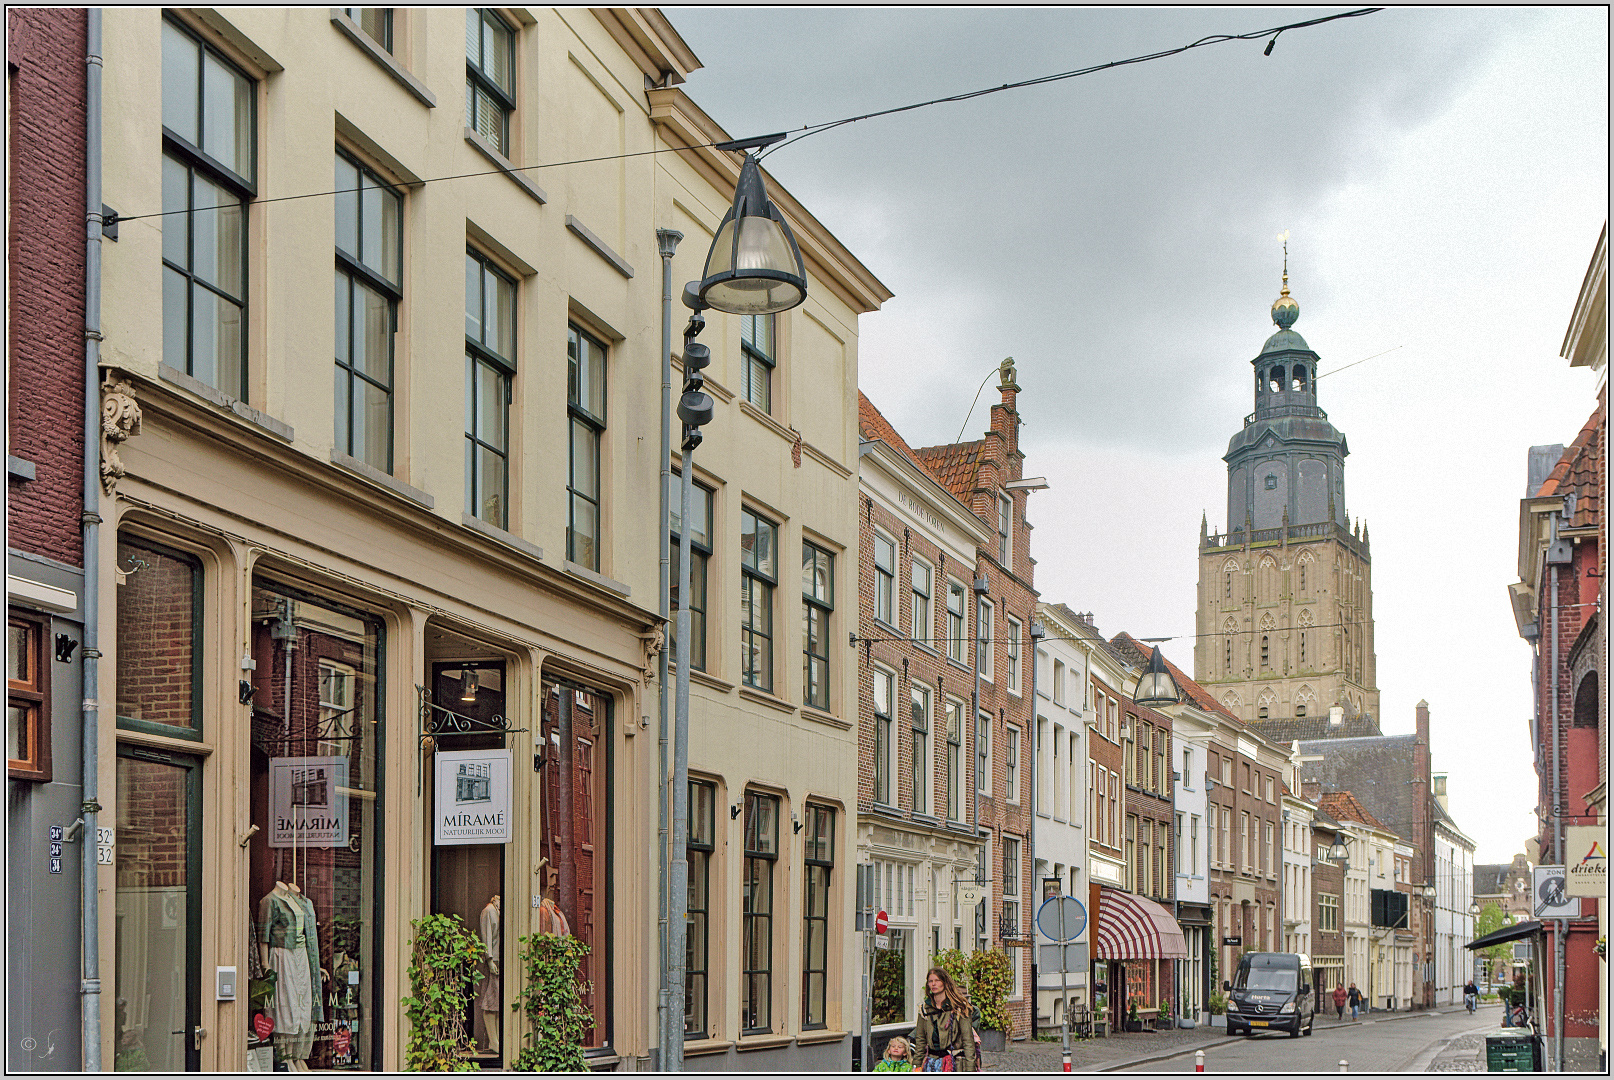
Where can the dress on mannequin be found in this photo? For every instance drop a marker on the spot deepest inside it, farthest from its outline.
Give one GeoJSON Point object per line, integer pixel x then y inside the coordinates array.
{"type": "Point", "coordinates": [488, 999]}
{"type": "Point", "coordinates": [287, 944]}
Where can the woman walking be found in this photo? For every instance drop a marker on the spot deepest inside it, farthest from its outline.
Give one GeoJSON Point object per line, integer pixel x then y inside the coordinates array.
{"type": "Point", "coordinates": [944, 1027]}
{"type": "Point", "coordinates": [1356, 1000]}
{"type": "Point", "coordinates": [1339, 1000]}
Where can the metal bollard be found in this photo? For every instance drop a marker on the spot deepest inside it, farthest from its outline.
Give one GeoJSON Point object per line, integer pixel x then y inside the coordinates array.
{"type": "Point", "coordinates": [1344, 1066]}
{"type": "Point", "coordinates": [1199, 1061]}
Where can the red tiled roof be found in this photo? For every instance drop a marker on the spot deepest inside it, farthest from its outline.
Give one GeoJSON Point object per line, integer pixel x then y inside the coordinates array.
{"type": "Point", "coordinates": [872, 425]}
{"type": "Point", "coordinates": [1139, 654]}
{"type": "Point", "coordinates": [955, 464]}
{"type": "Point", "coordinates": [1580, 470]}
{"type": "Point", "coordinates": [1342, 806]}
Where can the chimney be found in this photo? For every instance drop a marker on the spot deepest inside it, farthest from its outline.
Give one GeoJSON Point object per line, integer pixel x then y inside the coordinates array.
{"type": "Point", "coordinates": [1423, 725]}
{"type": "Point", "coordinates": [1422, 827]}
{"type": "Point", "coordinates": [1336, 715]}
{"type": "Point", "coordinates": [1312, 790]}
{"type": "Point", "coordinates": [1439, 786]}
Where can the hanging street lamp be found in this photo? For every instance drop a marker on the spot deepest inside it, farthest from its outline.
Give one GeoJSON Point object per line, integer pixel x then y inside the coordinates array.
{"type": "Point", "coordinates": [754, 266]}
{"type": "Point", "coordinates": [1156, 687]}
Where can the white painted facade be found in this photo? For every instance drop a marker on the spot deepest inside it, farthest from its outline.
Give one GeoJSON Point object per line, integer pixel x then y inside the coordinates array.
{"type": "Point", "coordinates": [1063, 710]}
{"type": "Point", "coordinates": [1454, 926]}
{"type": "Point", "coordinates": [1297, 856]}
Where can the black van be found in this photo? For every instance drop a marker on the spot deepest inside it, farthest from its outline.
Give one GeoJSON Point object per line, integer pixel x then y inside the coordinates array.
{"type": "Point", "coordinates": [1272, 990]}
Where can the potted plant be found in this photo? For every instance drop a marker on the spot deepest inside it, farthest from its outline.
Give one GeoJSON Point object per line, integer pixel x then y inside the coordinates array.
{"type": "Point", "coordinates": [991, 974]}
{"type": "Point", "coordinates": [1133, 1022]}
{"type": "Point", "coordinates": [552, 997]}
{"type": "Point", "coordinates": [1165, 1020]}
{"type": "Point", "coordinates": [1216, 1005]}
{"type": "Point", "coordinates": [443, 972]}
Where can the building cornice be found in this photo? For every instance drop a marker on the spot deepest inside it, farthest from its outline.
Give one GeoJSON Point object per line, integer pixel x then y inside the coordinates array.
{"type": "Point", "coordinates": [928, 491]}
{"type": "Point", "coordinates": [650, 41]}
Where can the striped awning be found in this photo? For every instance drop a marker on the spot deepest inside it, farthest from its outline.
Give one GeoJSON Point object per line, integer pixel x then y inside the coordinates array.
{"type": "Point", "coordinates": [1133, 927]}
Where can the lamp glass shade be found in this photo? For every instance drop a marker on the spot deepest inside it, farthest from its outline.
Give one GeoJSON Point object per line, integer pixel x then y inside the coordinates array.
{"type": "Point", "coordinates": [754, 266]}
{"type": "Point", "coordinates": [1156, 686]}
{"type": "Point", "coordinates": [1339, 851]}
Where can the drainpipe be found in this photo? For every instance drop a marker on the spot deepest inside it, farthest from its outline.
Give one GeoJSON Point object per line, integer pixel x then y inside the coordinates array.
{"type": "Point", "coordinates": [1557, 831]}
{"type": "Point", "coordinates": [667, 241]}
{"type": "Point", "coordinates": [1037, 631]}
{"type": "Point", "coordinates": [89, 872]}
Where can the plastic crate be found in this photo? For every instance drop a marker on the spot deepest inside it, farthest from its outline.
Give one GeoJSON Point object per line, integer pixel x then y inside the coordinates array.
{"type": "Point", "coordinates": [1511, 1050]}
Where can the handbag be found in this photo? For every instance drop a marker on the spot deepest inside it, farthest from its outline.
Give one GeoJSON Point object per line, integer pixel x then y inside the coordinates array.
{"type": "Point", "coordinates": [941, 1063]}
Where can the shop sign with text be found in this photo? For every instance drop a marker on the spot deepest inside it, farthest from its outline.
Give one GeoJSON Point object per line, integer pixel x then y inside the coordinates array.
{"type": "Point", "coordinates": [1586, 861]}
{"type": "Point", "coordinates": [473, 797]}
{"type": "Point", "coordinates": [308, 802]}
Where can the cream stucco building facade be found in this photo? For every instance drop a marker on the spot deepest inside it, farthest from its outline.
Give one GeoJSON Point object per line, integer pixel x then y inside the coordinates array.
{"type": "Point", "coordinates": [331, 574]}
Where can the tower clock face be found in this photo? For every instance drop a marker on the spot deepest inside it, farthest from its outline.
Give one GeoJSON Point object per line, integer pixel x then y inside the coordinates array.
{"type": "Point", "coordinates": [1518, 886]}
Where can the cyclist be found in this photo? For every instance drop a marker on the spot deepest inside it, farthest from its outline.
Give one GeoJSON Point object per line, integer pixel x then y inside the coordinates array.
{"type": "Point", "coordinates": [1470, 995]}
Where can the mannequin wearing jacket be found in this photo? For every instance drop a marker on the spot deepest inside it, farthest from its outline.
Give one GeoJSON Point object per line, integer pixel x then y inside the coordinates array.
{"type": "Point", "coordinates": [487, 999]}
{"type": "Point", "coordinates": [288, 945]}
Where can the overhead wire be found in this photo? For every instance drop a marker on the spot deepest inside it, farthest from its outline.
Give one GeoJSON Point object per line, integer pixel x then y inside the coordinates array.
{"type": "Point", "coordinates": [807, 129]}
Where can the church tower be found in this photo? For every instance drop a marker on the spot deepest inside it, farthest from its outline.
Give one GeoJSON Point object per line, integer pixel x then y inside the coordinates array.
{"type": "Point", "coordinates": [1285, 607]}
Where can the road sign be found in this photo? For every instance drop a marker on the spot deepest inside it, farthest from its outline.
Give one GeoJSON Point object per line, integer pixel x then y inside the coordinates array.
{"type": "Point", "coordinates": [882, 941]}
{"type": "Point", "coordinates": [1062, 918]}
{"type": "Point", "coordinates": [1550, 901]}
{"type": "Point", "coordinates": [881, 922]}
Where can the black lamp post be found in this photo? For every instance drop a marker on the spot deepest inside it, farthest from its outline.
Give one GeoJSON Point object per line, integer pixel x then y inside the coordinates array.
{"type": "Point", "coordinates": [753, 268]}
{"type": "Point", "coordinates": [1156, 687]}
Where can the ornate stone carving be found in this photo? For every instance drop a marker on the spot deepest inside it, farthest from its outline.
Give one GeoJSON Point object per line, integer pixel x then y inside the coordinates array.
{"type": "Point", "coordinates": [654, 642]}
{"type": "Point", "coordinates": [120, 419]}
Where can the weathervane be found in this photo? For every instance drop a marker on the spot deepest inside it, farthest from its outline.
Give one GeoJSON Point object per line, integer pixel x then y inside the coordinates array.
{"type": "Point", "coordinates": [1284, 238]}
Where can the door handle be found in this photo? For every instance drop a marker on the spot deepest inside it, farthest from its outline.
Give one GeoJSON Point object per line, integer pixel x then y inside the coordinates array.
{"type": "Point", "coordinates": [198, 1033]}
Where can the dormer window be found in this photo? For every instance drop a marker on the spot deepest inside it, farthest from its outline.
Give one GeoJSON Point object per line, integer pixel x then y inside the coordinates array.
{"type": "Point", "coordinates": [1272, 481]}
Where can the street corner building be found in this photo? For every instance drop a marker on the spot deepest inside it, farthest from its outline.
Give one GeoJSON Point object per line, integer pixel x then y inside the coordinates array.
{"type": "Point", "coordinates": [370, 597]}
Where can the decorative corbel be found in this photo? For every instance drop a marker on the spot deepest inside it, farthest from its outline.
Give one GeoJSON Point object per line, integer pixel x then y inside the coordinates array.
{"type": "Point", "coordinates": [653, 641]}
{"type": "Point", "coordinates": [120, 419]}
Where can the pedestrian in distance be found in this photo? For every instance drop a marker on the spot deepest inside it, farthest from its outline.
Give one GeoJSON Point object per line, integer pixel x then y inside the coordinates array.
{"type": "Point", "coordinates": [896, 1057]}
{"type": "Point", "coordinates": [1339, 1000]}
{"type": "Point", "coordinates": [944, 1036]}
{"type": "Point", "coordinates": [1355, 998]}
{"type": "Point", "coordinates": [1470, 995]}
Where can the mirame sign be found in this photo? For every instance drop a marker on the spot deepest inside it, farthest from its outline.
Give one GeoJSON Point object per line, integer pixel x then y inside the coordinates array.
{"type": "Point", "coordinates": [473, 797]}
{"type": "Point", "coordinates": [308, 802]}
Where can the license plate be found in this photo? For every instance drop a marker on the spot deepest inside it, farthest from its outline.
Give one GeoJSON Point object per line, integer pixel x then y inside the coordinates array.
{"type": "Point", "coordinates": [1259, 1023]}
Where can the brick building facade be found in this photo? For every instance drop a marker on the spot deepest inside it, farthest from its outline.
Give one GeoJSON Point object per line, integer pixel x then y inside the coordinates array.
{"type": "Point", "coordinates": [45, 369]}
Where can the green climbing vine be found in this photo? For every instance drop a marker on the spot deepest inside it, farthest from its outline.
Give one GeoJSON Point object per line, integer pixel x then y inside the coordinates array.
{"type": "Point", "coordinates": [552, 997]}
{"type": "Point", "coordinates": [443, 972]}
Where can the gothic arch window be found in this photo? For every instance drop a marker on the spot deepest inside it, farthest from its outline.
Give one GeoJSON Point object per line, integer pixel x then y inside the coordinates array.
{"type": "Point", "coordinates": [1304, 563]}
{"type": "Point", "coordinates": [1266, 656]}
{"type": "Point", "coordinates": [1228, 630]}
{"type": "Point", "coordinates": [1229, 568]}
{"type": "Point", "coordinates": [1266, 621]}
{"type": "Point", "coordinates": [1305, 617]}
{"type": "Point", "coordinates": [1265, 703]}
{"type": "Point", "coordinates": [1267, 578]}
{"type": "Point", "coordinates": [1231, 702]}
{"type": "Point", "coordinates": [1305, 702]}
{"type": "Point", "coordinates": [1586, 702]}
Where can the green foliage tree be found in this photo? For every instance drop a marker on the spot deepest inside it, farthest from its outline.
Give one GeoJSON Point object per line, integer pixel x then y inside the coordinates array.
{"type": "Point", "coordinates": [552, 997]}
{"type": "Point", "coordinates": [443, 972]}
{"type": "Point", "coordinates": [956, 963]}
{"type": "Point", "coordinates": [991, 976]}
{"type": "Point", "coordinates": [1491, 919]}
{"type": "Point", "coordinates": [890, 971]}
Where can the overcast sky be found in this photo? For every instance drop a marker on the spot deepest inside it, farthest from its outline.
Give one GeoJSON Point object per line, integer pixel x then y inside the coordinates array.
{"type": "Point", "coordinates": [1443, 175]}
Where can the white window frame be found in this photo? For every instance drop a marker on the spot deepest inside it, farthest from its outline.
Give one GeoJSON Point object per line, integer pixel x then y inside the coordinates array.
{"type": "Point", "coordinates": [1011, 758]}
{"type": "Point", "coordinates": [984, 649]}
{"type": "Point", "coordinates": [889, 719]}
{"type": "Point", "coordinates": [957, 636]}
{"type": "Point", "coordinates": [983, 753]}
{"type": "Point", "coordinates": [1058, 681]}
{"type": "Point", "coordinates": [923, 600]}
{"type": "Point", "coordinates": [1015, 644]}
{"type": "Point", "coordinates": [1006, 531]}
{"type": "Point", "coordinates": [885, 584]}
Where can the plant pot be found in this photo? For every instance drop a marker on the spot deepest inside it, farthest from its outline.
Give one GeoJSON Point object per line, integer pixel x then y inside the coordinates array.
{"type": "Point", "coordinates": [993, 1041]}
{"type": "Point", "coordinates": [1165, 1023]}
{"type": "Point", "coordinates": [1134, 1025]}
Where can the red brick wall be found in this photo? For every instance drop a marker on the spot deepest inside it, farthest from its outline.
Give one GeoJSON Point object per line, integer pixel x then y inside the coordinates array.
{"type": "Point", "coordinates": [156, 636]}
{"type": "Point", "coordinates": [45, 332]}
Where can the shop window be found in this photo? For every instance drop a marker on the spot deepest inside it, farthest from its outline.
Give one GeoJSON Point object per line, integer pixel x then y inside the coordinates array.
{"type": "Point", "coordinates": [756, 943]}
{"type": "Point", "coordinates": [576, 727]}
{"type": "Point", "coordinates": [702, 843]}
{"type": "Point", "coordinates": [314, 880]}
{"type": "Point", "coordinates": [27, 697]}
{"type": "Point", "coordinates": [159, 640]}
{"type": "Point", "coordinates": [820, 862]}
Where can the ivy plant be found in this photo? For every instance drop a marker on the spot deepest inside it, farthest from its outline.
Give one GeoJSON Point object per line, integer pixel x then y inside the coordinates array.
{"type": "Point", "coordinates": [443, 972]}
{"type": "Point", "coordinates": [956, 963]}
{"type": "Point", "coordinates": [552, 997]}
{"type": "Point", "coordinates": [991, 973]}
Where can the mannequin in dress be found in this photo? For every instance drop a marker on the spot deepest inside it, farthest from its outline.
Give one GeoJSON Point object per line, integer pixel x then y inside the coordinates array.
{"type": "Point", "coordinates": [488, 999]}
{"type": "Point", "coordinates": [287, 945]}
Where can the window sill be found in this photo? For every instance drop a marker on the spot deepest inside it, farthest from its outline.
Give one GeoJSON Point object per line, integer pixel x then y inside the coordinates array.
{"type": "Point", "coordinates": [696, 675]}
{"type": "Point", "coordinates": [762, 697]}
{"type": "Point", "coordinates": [814, 1037]}
{"type": "Point", "coordinates": [579, 570]}
{"type": "Point", "coordinates": [388, 64]}
{"type": "Point", "coordinates": [20, 468]}
{"type": "Point", "coordinates": [960, 665]}
{"type": "Point", "coordinates": [819, 716]}
{"type": "Point", "coordinates": [261, 420]}
{"type": "Point", "coordinates": [762, 1042]}
{"type": "Point", "coordinates": [493, 532]}
{"type": "Point", "coordinates": [886, 810]}
{"type": "Point", "coordinates": [486, 149]}
{"type": "Point", "coordinates": [926, 819]}
{"type": "Point", "coordinates": [702, 1047]}
{"type": "Point", "coordinates": [376, 476]}
{"type": "Point", "coordinates": [598, 246]}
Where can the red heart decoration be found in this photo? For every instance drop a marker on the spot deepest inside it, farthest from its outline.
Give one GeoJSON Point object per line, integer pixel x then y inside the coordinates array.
{"type": "Point", "coordinates": [263, 1024]}
{"type": "Point", "coordinates": [344, 1038]}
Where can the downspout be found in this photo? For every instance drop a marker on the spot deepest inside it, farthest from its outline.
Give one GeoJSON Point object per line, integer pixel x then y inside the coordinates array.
{"type": "Point", "coordinates": [1037, 631]}
{"type": "Point", "coordinates": [1557, 832]}
{"type": "Point", "coordinates": [89, 871]}
{"type": "Point", "coordinates": [667, 241]}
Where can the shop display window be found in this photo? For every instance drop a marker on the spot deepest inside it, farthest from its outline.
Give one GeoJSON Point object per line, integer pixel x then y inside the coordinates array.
{"type": "Point", "coordinates": [159, 639]}
{"type": "Point", "coordinates": [315, 879]}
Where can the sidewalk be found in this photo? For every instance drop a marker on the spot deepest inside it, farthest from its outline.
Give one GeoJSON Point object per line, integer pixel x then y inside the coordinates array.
{"type": "Point", "coordinates": [1122, 1050]}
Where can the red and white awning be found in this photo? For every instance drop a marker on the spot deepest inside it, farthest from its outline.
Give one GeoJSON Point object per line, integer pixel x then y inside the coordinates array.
{"type": "Point", "coordinates": [1132, 927]}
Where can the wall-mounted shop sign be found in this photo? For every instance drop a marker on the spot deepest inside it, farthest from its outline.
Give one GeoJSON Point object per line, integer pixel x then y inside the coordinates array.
{"type": "Point", "coordinates": [1586, 868]}
{"type": "Point", "coordinates": [1232, 940]}
{"type": "Point", "coordinates": [473, 797]}
{"type": "Point", "coordinates": [308, 802]}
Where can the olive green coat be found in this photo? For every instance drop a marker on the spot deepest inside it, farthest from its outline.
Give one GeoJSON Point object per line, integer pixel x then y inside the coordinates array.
{"type": "Point", "coordinates": [941, 1030]}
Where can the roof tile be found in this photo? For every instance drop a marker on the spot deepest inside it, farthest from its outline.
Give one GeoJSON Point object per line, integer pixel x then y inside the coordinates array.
{"type": "Point", "coordinates": [1342, 806]}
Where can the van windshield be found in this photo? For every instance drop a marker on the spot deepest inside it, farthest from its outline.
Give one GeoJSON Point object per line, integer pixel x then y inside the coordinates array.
{"type": "Point", "coordinates": [1265, 978]}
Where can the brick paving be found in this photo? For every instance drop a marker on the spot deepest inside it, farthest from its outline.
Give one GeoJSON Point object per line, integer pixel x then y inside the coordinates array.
{"type": "Point", "coordinates": [1466, 1053]}
{"type": "Point", "coordinates": [1087, 1055]}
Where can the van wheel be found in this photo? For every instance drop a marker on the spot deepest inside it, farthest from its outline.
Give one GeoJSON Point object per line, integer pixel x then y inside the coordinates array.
{"type": "Point", "coordinates": [1294, 1032]}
